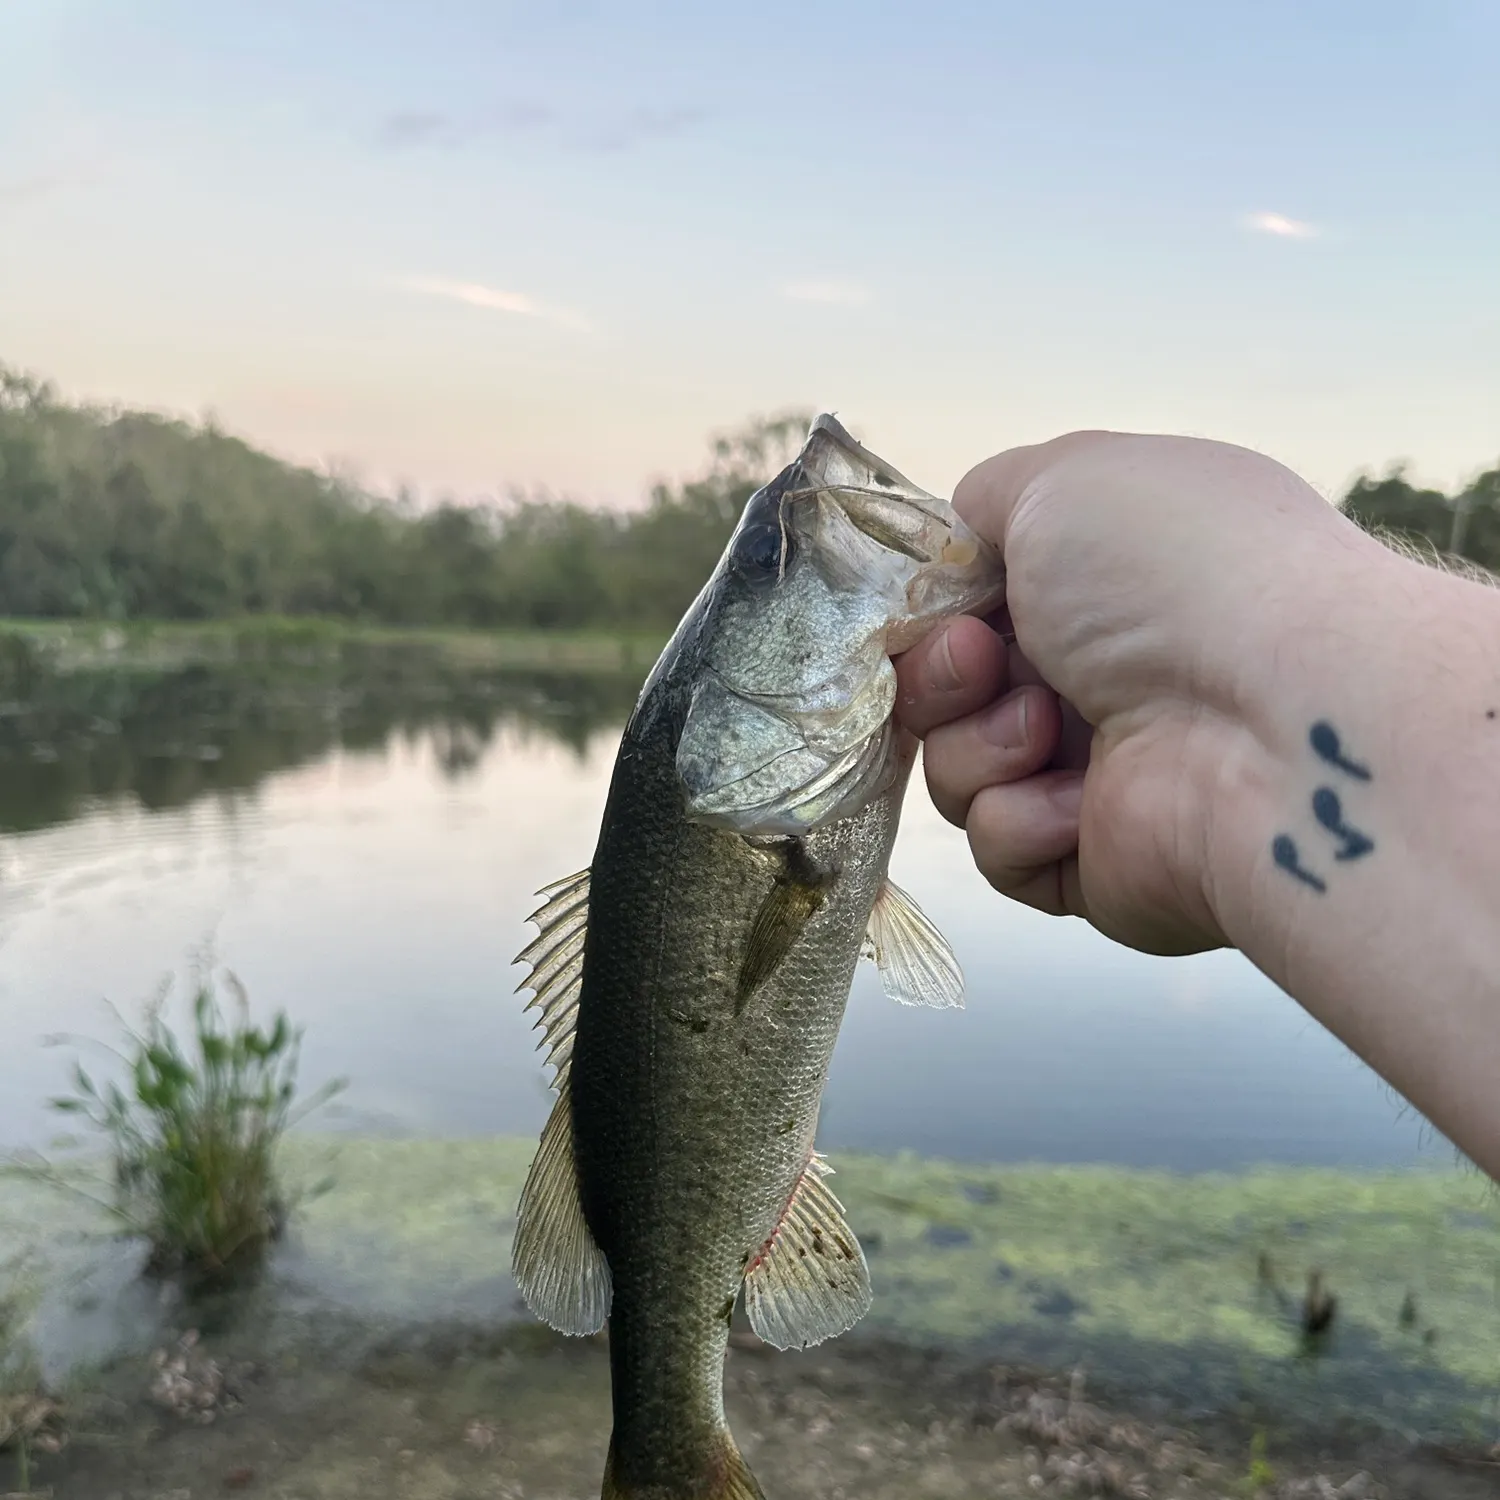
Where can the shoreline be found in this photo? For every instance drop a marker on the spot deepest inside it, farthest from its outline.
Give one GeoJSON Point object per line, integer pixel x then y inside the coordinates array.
{"type": "Point", "coordinates": [1155, 1282]}
{"type": "Point", "coordinates": [141, 645]}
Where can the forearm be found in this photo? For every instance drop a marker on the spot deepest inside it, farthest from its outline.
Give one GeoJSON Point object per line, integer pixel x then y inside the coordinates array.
{"type": "Point", "coordinates": [1355, 854]}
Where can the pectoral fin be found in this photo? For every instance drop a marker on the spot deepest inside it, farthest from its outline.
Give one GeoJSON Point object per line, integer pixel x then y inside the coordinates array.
{"type": "Point", "coordinates": [810, 1281]}
{"type": "Point", "coordinates": [787, 909]}
{"type": "Point", "coordinates": [917, 967]}
{"type": "Point", "coordinates": [560, 1270]}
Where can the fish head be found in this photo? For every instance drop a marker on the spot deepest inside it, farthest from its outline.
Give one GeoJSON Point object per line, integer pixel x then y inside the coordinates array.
{"type": "Point", "coordinates": [836, 565]}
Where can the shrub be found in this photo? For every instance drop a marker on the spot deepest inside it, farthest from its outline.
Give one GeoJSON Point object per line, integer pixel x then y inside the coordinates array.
{"type": "Point", "coordinates": [193, 1133]}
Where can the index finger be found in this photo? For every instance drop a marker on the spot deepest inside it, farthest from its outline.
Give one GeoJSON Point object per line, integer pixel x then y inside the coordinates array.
{"type": "Point", "coordinates": [960, 667]}
{"type": "Point", "coordinates": [987, 496]}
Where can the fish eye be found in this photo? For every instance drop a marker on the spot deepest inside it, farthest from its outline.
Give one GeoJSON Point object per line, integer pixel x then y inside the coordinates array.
{"type": "Point", "coordinates": [759, 549]}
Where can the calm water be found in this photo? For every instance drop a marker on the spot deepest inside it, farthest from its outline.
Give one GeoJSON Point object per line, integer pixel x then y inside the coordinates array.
{"type": "Point", "coordinates": [360, 843]}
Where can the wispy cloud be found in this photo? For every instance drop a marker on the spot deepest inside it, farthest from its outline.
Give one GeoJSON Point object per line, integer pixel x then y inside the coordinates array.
{"type": "Point", "coordinates": [1281, 226]}
{"type": "Point", "coordinates": [638, 125]}
{"type": "Point", "coordinates": [841, 293]}
{"type": "Point", "coordinates": [429, 129]}
{"type": "Point", "coordinates": [415, 129]}
{"type": "Point", "coordinates": [24, 189]}
{"type": "Point", "coordinates": [493, 299]}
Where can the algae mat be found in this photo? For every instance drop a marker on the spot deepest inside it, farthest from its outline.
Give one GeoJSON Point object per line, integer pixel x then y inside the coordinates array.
{"type": "Point", "coordinates": [1183, 1288]}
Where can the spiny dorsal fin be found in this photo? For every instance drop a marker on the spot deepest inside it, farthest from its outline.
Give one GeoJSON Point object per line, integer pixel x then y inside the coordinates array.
{"type": "Point", "coordinates": [561, 1272]}
{"type": "Point", "coordinates": [556, 959]}
{"type": "Point", "coordinates": [810, 1281]}
{"type": "Point", "coordinates": [917, 967]}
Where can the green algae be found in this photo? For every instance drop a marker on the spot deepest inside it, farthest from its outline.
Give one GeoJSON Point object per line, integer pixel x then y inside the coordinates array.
{"type": "Point", "coordinates": [1156, 1281]}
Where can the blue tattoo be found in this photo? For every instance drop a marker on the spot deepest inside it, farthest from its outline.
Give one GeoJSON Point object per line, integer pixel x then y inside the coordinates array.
{"type": "Point", "coordinates": [1329, 811]}
{"type": "Point", "coordinates": [1284, 852]}
{"type": "Point", "coordinates": [1324, 739]}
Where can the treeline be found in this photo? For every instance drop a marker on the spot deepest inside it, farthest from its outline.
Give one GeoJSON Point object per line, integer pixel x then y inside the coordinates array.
{"type": "Point", "coordinates": [123, 515]}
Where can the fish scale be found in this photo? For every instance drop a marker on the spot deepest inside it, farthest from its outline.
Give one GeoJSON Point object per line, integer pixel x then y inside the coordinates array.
{"type": "Point", "coordinates": [739, 876]}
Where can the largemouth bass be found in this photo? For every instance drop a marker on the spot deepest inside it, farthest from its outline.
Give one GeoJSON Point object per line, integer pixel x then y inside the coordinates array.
{"type": "Point", "coordinates": [692, 981]}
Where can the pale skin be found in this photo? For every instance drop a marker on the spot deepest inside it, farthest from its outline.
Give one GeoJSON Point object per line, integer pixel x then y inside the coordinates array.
{"type": "Point", "coordinates": [1229, 717]}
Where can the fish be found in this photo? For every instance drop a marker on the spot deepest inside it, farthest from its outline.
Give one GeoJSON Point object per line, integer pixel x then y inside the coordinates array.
{"type": "Point", "coordinates": [691, 983]}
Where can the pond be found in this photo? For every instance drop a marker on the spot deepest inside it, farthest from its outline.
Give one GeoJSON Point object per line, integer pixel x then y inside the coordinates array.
{"type": "Point", "coordinates": [361, 844]}
{"type": "Point", "coordinates": [1104, 1161]}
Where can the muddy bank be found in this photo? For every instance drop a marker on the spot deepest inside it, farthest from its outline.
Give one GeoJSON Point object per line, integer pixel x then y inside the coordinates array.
{"type": "Point", "coordinates": [522, 1415]}
{"type": "Point", "coordinates": [385, 1351]}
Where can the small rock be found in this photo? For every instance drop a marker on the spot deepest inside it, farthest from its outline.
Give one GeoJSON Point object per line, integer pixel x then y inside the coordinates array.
{"type": "Point", "coordinates": [479, 1435]}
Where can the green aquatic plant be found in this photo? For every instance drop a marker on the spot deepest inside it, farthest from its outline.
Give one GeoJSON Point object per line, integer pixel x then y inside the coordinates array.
{"type": "Point", "coordinates": [1259, 1476]}
{"type": "Point", "coordinates": [193, 1132]}
{"type": "Point", "coordinates": [28, 1415]}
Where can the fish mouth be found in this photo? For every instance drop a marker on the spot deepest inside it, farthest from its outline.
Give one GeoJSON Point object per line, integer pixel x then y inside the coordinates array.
{"type": "Point", "coordinates": [837, 564]}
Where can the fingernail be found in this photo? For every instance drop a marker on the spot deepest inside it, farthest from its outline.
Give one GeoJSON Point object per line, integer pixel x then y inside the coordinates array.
{"type": "Point", "coordinates": [942, 673]}
{"type": "Point", "coordinates": [1005, 724]}
{"type": "Point", "coordinates": [1067, 796]}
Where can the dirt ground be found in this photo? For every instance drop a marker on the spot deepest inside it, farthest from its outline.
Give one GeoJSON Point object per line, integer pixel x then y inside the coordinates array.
{"type": "Point", "coordinates": [522, 1415]}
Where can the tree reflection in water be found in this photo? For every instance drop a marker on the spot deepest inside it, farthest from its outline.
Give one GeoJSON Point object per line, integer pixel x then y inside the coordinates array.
{"type": "Point", "coordinates": [166, 738]}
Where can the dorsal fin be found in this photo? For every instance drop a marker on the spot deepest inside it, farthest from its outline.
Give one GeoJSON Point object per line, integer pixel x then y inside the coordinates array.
{"type": "Point", "coordinates": [810, 1281]}
{"type": "Point", "coordinates": [558, 1267]}
{"type": "Point", "coordinates": [556, 959]}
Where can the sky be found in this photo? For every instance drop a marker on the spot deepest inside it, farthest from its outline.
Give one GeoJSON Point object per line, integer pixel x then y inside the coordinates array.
{"type": "Point", "coordinates": [472, 245]}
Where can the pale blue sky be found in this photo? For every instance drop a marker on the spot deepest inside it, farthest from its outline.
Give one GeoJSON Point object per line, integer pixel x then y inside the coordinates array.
{"type": "Point", "coordinates": [471, 243]}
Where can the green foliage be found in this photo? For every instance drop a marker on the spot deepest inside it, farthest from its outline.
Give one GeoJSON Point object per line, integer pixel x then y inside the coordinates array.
{"type": "Point", "coordinates": [1466, 524]}
{"type": "Point", "coordinates": [1259, 1476]}
{"type": "Point", "coordinates": [123, 515]}
{"type": "Point", "coordinates": [193, 1138]}
{"type": "Point", "coordinates": [25, 1409]}
{"type": "Point", "coordinates": [18, 1363]}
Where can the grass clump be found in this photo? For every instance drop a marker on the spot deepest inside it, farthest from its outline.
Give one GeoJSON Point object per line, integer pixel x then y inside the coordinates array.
{"type": "Point", "coordinates": [30, 1417]}
{"type": "Point", "coordinates": [193, 1131]}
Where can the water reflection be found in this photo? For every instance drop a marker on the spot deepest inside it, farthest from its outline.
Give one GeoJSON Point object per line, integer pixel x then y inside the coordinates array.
{"type": "Point", "coordinates": [360, 833]}
{"type": "Point", "coordinates": [169, 738]}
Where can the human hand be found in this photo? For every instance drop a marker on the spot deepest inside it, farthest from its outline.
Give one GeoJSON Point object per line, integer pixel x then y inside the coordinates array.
{"type": "Point", "coordinates": [1156, 586]}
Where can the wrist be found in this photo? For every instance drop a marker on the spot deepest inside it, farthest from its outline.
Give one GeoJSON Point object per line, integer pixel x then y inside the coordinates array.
{"type": "Point", "coordinates": [1359, 799]}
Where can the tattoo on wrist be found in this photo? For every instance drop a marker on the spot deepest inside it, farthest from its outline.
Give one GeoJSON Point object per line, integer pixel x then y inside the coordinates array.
{"type": "Point", "coordinates": [1327, 745]}
{"type": "Point", "coordinates": [1350, 843]}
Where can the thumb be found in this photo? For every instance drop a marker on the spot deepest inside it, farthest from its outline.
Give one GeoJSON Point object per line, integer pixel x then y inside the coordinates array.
{"type": "Point", "coordinates": [988, 495]}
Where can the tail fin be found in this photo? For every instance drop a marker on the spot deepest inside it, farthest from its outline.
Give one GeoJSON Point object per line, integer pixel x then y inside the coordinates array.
{"type": "Point", "coordinates": [731, 1479]}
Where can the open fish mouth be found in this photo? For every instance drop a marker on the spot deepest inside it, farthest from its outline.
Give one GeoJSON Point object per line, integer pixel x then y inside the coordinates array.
{"type": "Point", "coordinates": [836, 564]}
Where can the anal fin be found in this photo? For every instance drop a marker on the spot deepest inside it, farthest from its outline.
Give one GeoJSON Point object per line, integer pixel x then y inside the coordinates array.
{"type": "Point", "coordinates": [560, 1270]}
{"type": "Point", "coordinates": [810, 1282]}
{"type": "Point", "coordinates": [917, 967]}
